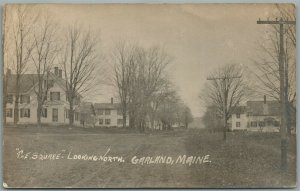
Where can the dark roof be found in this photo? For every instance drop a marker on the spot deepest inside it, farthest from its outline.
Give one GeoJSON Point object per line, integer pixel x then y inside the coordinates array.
{"type": "Point", "coordinates": [259, 108]}
{"type": "Point", "coordinates": [107, 105]}
{"type": "Point", "coordinates": [239, 109]}
{"type": "Point", "coordinates": [27, 81]}
{"type": "Point", "coordinates": [86, 107]}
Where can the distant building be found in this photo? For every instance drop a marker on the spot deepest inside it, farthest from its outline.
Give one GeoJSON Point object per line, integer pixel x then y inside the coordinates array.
{"type": "Point", "coordinates": [109, 115]}
{"type": "Point", "coordinates": [87, 114]}
{"type": "Point", "coordinates": [257, 116]}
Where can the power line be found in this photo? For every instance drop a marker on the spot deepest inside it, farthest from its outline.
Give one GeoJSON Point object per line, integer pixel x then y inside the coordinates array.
{"type": "Point", "coordinates": [283, 88]}
{"type": "Point", "coordinates": [222, 78]}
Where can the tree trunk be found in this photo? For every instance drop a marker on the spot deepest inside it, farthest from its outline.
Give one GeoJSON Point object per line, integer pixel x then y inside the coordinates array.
{"type": "Point", "coordinates": [16, 109]}
{"type": "Point", "coordinates": [124, 112]}
{"type": "Point", "coordinates": [39, 112]}
{"type": "Point", "coordinates": [5, 98]}
{"type": "Point", "coordinates": [289, 124]}
{"type": "Point", "coordinates": [71, 114]}
{"type": "Point", "coordinates": [131, 120]}
{"type": "Point", "coordinates": [152, 123]}
{"type": "Point", "coordinates": [224, 129]}
{"type": "Point", "coordinates": [124, 119]}
{"type": "Point", "coordinates": [4, 109]}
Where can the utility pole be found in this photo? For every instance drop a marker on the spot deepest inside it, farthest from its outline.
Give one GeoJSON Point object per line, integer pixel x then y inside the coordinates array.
{"type": "Point", "coordinates": [283, 89]}
{"type": "Point", "coordinates": [225, 97]}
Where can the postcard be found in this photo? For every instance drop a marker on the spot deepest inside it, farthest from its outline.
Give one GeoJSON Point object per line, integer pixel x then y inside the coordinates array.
{"type": "Point", "coordinates": [149, 96]}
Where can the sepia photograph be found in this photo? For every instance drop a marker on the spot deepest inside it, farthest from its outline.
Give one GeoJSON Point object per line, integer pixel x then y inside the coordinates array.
{"type": "Point", "coordinates": [149, 95]}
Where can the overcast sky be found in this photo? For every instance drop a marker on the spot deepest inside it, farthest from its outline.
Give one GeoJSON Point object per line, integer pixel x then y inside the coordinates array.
{"type": "Point", "coordinates": [199, 37]}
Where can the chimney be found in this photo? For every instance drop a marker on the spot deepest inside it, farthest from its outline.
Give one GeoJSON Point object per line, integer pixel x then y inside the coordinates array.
{"type": "Point", "coordinates": [56, 71]}
{"type": "Point", "coordinates": [60, 73]}
{"type": "Point", "coordinates": [265, 99]}
{"type": "Point", "coordinates": [112, 100]}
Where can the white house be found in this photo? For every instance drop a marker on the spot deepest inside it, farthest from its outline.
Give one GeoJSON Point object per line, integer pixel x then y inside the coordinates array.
{"type": "Point", "coordinates": [239, 119]}
{"type": "Point", "coordinates": [261, 116]}
{"type": "Point", "coordinates": [109, 115]}
{"type": "Point", "coordinates": [55, 109]}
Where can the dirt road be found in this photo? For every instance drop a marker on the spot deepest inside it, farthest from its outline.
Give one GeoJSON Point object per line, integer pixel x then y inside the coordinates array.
{"type": "Point", "coordinates": [244, 160]}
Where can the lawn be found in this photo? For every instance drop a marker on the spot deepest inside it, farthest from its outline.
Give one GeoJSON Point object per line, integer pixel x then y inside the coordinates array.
{"type": "Point", "coordinates": [245, 160]}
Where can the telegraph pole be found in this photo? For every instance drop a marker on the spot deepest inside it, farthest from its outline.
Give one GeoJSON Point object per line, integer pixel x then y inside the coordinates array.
{"type": "Point", "coordinates": [283, 89]}
{"type": "Point", "coordinates": [225, 96]}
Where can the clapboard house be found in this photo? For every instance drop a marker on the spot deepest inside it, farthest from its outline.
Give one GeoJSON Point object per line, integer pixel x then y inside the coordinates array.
{"type": "Point", "coordinates": [55, 108]}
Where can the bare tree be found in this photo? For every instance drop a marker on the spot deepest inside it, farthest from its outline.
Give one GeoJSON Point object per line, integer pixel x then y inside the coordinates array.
{"type": "Point", "coordinates": [43, 55]}
{"type": "Point", "coordinates": [139, 74]}
{"type": "Point", "coordinates": [159, 101]}
{"type": "Point", "coordinates": [187, 116]}
{"type": "Point", "coordinates": [168, 110]}
{"type": "Point", "coordinates": [225, 90]}
{"type": "Point", "coordinates": [78, 61]}
{"type": "Point", "coordinates": [6, 62]}
{"type": "Point", "coordinates": [268, 68]}
{"type": "Point", "coordinates": [123, 59]}
{"type": "Point", "coordinates": [146, 80]}
{"type": "Point", "coordinates": [21, 22]}
{"type": "Point", "coordinates": [288, 13]}
{"type": "Point", "coordinates": [267, 64]}
{"type": "Point", "coordinates": [212, 119]}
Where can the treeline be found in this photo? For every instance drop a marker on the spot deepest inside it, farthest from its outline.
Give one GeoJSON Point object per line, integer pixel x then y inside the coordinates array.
{"type": "Point", "coordinates": [233, 84]}
{"type": "Point", "coordinates": [34, 43]}
{"type": "Point", "coordinates": [146, 94]}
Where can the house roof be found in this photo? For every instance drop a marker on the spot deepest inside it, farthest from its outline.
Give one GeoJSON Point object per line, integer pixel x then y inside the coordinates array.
{"type": "Point", "coordinates": [27, 81]}
{"type": "Point", "coordinates": [107, 105]}
{"type": "Point", "coordinates": [239, 109]}
{"type": "Point", "coordinates": [86, 107]}
{"type": "Point", "coordinates": [258, 108]}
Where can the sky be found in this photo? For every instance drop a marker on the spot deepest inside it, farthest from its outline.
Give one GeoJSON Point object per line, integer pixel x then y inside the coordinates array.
{"type": "Point", "coordinates": [199, 38]}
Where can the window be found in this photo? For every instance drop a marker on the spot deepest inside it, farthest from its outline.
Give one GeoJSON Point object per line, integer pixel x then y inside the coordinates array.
{"type": "Point", "coordinates": [276, 123]}
{"type": "Point", "coordinates": [119, 111]}
{"type": "Point", "coordinates": [107, 111]}
{"type": "Point", "coordinates": [24, 99]}
{"type": "Point", "coordinates": [100, 121]}
{"type": "Point", "coordinates": [9, 113]}
{"type": "Point", "coordinates": [107, 121]}
{"type": "Point", "coordinates": [67, 113]}
{"type": "Point", "coordinates": [54, 96]}
{"type": "Point", "coordinates": [25, 113]}
{"type": "Point", "coordinates": [238, 124]}
{"type": "Point", "coordinates": [54, 114]}
{"type": "Point", "coordinates": [262, 124]}
{"type": "Point", "coordinates": [50, 83]}
{"type": "Point", "coordinates": [100, 111]}
{"type": "Point", "coordinates": [253, 124]}
{"type": "Point", "coordinates": [238, 115]}
{"type": "Point", "coordinates": [76, 116]}
{"type": "Point", "coordinates": [9, 99]}
{"type": "Point", "coordinates": [120, 121]}
{"type": "Point", "coordinates": [44, 112]}
{"type": "Point", "coordinates": [269, 123]}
